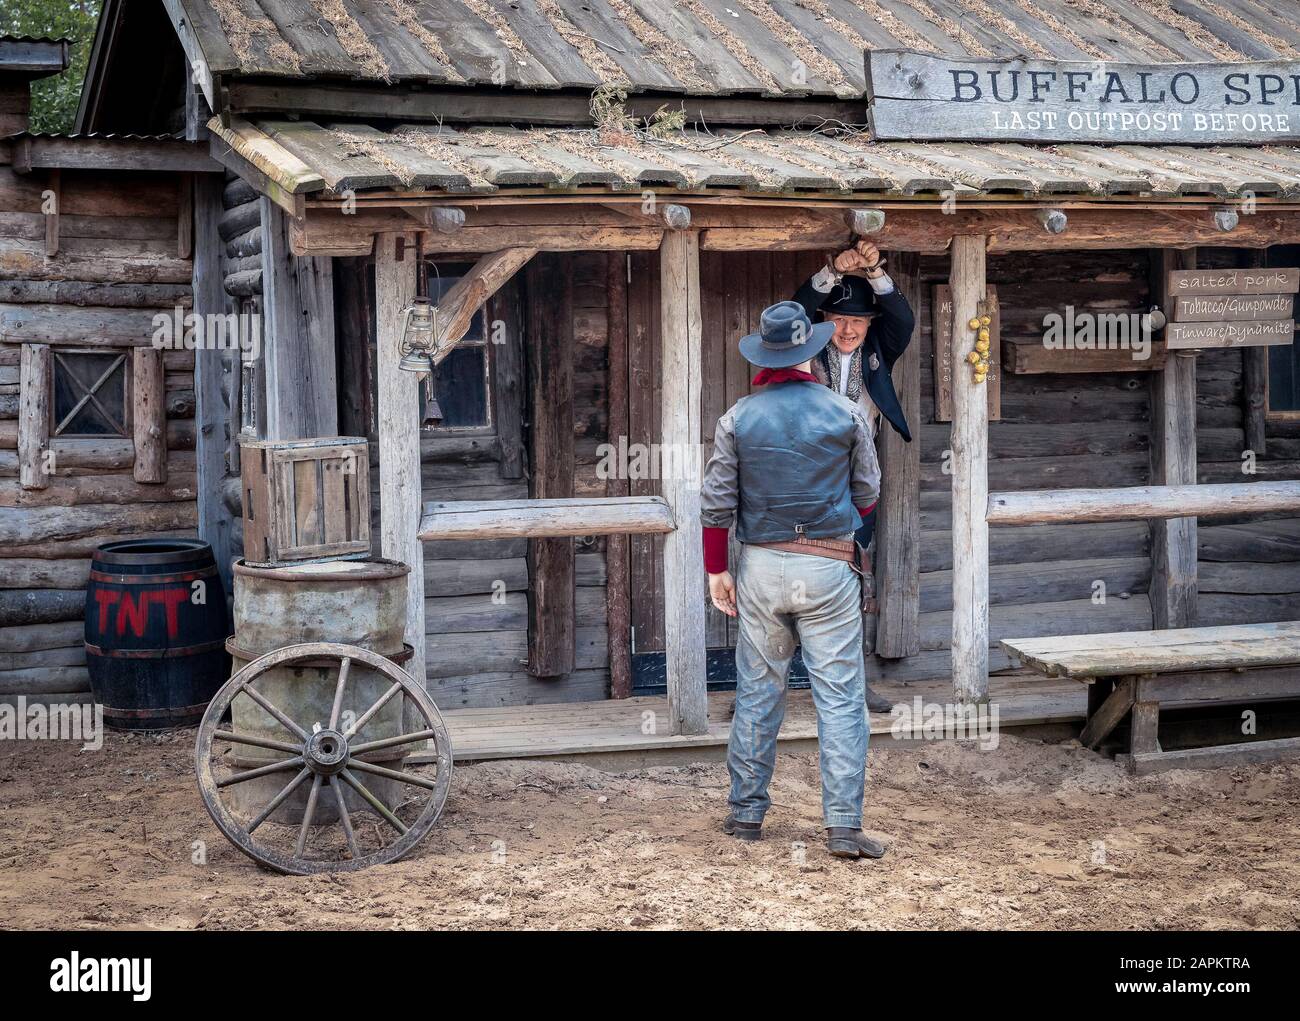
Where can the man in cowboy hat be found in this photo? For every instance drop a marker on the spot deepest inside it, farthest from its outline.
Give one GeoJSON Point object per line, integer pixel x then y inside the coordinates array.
{"type": "Point", "coordinates": [873, 326]}
{"type": "Point", "coordinates": [794, 468]}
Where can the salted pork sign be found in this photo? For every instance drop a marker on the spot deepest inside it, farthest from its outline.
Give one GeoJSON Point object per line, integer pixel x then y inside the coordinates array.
{"type": "Point", "coordinates": [924, 96]}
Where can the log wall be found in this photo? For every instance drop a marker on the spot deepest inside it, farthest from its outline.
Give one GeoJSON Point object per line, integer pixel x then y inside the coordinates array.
{"type": "Point", "coordinates": [86, 260]}
{"type": "Point", "coordinates": [476, 605]}
{"type": "Point", "coordinates": [1248, 568]}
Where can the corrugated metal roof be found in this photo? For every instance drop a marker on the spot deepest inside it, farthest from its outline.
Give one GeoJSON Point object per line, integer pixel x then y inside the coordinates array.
{"type": "Point", "coordinates": [304, 157]}
{"type": "Point", "coordinates": [707, 47]}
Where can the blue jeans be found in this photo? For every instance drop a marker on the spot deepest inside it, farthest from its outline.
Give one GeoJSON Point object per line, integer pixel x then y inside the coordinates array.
{"type": "Point", "coordinates": [784, 598]}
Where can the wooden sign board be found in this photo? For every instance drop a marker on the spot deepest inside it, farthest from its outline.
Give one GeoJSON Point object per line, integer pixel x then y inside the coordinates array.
{"type": "Point", "coordinates": [941, 321]}
{"type": "Point", "coordinates": [1238, 333]}
{"type": "Point", "coordinates": [1246, 307]}
{"type": "Point", "coordinates": [1208, 308]}
{"type": "Point", "coordinates": [1254, 280]}
{"type": "Point", "coordinates": [925, 96]}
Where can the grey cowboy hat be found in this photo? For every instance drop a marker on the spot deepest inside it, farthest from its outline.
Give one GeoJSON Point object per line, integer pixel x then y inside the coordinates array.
{"type": "Point", "coordinates": [786, 337]}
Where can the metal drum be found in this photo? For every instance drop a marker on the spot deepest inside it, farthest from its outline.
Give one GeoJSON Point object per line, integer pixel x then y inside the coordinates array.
{"type": "Point", "coordinates": [353, 602]}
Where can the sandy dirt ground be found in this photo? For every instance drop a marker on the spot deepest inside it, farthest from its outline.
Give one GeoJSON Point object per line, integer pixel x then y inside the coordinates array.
{"type": "Point", "coordinates": [1031, 835]}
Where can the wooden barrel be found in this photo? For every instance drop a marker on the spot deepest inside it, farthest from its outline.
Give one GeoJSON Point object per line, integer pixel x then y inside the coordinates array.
{"type": "Point", "coordinates": [156, 625]}
{"type": "Point", "coordinates": [353, 602]}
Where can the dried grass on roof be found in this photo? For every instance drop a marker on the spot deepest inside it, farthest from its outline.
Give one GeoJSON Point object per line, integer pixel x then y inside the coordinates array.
{"type": "Point", "coordinates": [442, 147]}
{"type": "Point", "coordinates": [352, 38]}
{"type": "Point", "coordinates": [843, 28]}
{"type": "Point", "coordinates": [373, 149]}
{"type": "Point", "coordinates": [409, 20]}
{"type": "Point", "coordinates": [1164, 11]}
{"type": "Point", "coordinates": [241, 28]}
{"type": "Point", "coordinates": [1033, 10]}
{"type": "Point", "coordinates": [592, 54]}
{"type": "Point", "coordinates": [907, 36]}
{"type": "Point", "coordinates": [954, 29]}
{"type": "Point", "coordinates": [1003, 25]}
{"type": "Point", "coordinates": [735, 45]}
{"type": "Point", "coordinates": [1276, 40]}
{"type": "Point", "coordinates": [673, 57]}
{"type": "Point", "coordinates": [808, 54]}
{"type": "Point", "coordinates": [1118, 25]}
{"type": "Point", "coordinates": [502, 28]}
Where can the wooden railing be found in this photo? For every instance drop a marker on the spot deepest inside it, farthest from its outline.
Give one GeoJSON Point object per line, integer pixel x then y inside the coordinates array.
{"type": "Point", "coordinates": [545, 519]}
{"type": "Point", "coordinates": [1055, 506]}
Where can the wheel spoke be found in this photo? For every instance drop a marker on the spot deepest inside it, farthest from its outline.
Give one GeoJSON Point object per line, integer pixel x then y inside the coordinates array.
{"type": "Point", "coordinates": [383, 701]}
{"type": "Point", "coordinates": [389, 742]}
{"type": "Point", "coordinates": [344, 667]}
{"type": "Point", "coordinates": [307, 816]}
{"type": "Point", "coordinates": [280, 718]}
{"type": "Point", "coordinates": [373, 801]}
{"type": "Point", "coordinates": [294, 784]}
{"type": "Point", "coordinates": [257, 742]}
{"type": "Point", "coordinates": [345, 819]}
{"type": "Point", "coordinates": [253, 774]}
{"type": "Point", "coordinates": [393, 774]}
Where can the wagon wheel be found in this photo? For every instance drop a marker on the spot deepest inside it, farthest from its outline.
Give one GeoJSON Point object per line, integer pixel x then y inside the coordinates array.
{"type": "Point", "coordinates": [327, 756]}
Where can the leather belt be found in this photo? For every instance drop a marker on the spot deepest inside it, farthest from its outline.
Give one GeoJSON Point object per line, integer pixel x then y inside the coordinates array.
{"type": "Point", "coordinates": [835, 549]}
{"type": "Point", "coordinates": [846, 550]}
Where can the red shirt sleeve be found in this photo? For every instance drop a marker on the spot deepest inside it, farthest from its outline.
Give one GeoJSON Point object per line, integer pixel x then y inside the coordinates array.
{"type": "Point", "coordinates": [715, 550]}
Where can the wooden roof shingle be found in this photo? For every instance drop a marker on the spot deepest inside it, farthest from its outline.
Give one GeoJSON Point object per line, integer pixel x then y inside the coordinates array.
{"type": "Point", "coordinates": [700, 47]}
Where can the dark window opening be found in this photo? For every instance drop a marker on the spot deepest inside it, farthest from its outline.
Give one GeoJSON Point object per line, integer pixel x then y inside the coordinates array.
{"type": "Point", "coordinates": [90, 395]}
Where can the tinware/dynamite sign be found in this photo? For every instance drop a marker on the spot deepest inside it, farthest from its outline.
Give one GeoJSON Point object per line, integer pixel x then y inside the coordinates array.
{"type": "Point", "coordinates": [924, 96]}
{"type": "Point", "coordinates": [1249, 307]}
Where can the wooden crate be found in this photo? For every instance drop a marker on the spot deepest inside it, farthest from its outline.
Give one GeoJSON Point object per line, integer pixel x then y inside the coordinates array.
{"type": "Point", "coordinates": [305, 500]}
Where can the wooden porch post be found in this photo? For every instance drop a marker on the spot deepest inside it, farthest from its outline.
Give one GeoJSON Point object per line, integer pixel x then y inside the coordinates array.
{"type": "Point", "coordinates": [298, 298]}
{"type": "Point", "coordinates": [399, 435]}
{"type": "Point", "coordinates": [1173, 463]}
{"type": "Point", "coordinates": [898, 532]}
{"type": "Point", "coordinates": [970, 482]}
{"type": "Point", "coordinates": [211, 412]}
{"type": "Point", "coordinates": [681, 382]}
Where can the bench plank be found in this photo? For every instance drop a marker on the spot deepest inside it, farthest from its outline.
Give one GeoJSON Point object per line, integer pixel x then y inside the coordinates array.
{"type": "Point", "coordinates": [1164, 651]}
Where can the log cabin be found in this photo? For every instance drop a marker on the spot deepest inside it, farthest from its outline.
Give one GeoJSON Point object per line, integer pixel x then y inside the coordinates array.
{"type": "Point", "coordinates": [600, 198]}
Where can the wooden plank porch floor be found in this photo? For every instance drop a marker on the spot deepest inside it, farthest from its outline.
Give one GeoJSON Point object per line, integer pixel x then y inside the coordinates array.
{"type": "Point", "coordinates": [623, 726]}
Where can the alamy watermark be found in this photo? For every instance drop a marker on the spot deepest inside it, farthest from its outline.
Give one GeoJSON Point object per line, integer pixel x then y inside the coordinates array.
{"type": "Point", "coordinates": [53, 721]}
{"type": "Point", "coordinates": [1098, 331]}
{"type": "Point", "coordinates": [178, 330]}
{"type": "Point", "coordinates": [937, 721]}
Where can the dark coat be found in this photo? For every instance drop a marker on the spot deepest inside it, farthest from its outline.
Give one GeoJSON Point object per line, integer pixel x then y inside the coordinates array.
{"type": "Point", "coordinates": [887, 337]}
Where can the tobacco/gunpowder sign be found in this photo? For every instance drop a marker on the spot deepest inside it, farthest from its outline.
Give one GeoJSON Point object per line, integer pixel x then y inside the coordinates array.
{"type": "Point", "coordinates": [924, 96]}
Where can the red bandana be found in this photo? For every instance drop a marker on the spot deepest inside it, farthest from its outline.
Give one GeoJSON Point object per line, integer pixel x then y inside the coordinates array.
{"type": "Point", "coordinates": [766, 376]}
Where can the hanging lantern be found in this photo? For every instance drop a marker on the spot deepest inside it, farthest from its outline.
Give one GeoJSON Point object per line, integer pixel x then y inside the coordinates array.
{"type": "Point", "coordinates": [419, 340]}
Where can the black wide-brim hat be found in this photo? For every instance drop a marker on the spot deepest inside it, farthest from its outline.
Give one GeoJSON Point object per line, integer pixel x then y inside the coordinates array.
{"type": "Point", "coordinates": [852, 296]}
{"type": "Point", "coordinates": [786, 337]}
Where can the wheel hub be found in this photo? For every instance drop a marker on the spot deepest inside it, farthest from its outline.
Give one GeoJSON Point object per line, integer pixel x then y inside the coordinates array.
{"type": "Point", "coordinates": [326, 752]}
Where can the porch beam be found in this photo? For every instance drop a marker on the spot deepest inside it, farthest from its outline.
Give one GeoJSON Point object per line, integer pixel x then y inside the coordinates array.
{"type": "Point", "coordinates": [332, 233]}
{"type": "Point", "coordinates": [681, 381]}
{"type": "Point", "coordinates": [1173, 463]}
{"type": "Point", "coordinates": [456, 308]}
{"type": "Point", "coordinates": [1132, 503]}
{"type": "Point", "coordinates": [927, 229]}
{"type": "Point", "coordinates": [970, 481]}
{"type": "Point", "coordinates": [399, 437]}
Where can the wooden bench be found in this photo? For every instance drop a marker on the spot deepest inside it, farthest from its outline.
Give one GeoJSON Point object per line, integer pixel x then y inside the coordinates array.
{"type": "Point", "coordinates": [1133, 673]}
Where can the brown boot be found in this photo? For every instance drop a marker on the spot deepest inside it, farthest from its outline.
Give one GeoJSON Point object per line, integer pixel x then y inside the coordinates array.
{"type": "Point", "coordinates": [878, 703]}
{"type": "Point", "coordinates": [844, 842]}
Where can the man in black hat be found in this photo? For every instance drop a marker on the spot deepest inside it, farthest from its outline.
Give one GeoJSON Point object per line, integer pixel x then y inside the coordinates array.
{"type": "Point", "coordinates": [873, 326]}
{"type": "Point", "coordinates": [793, 468]}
